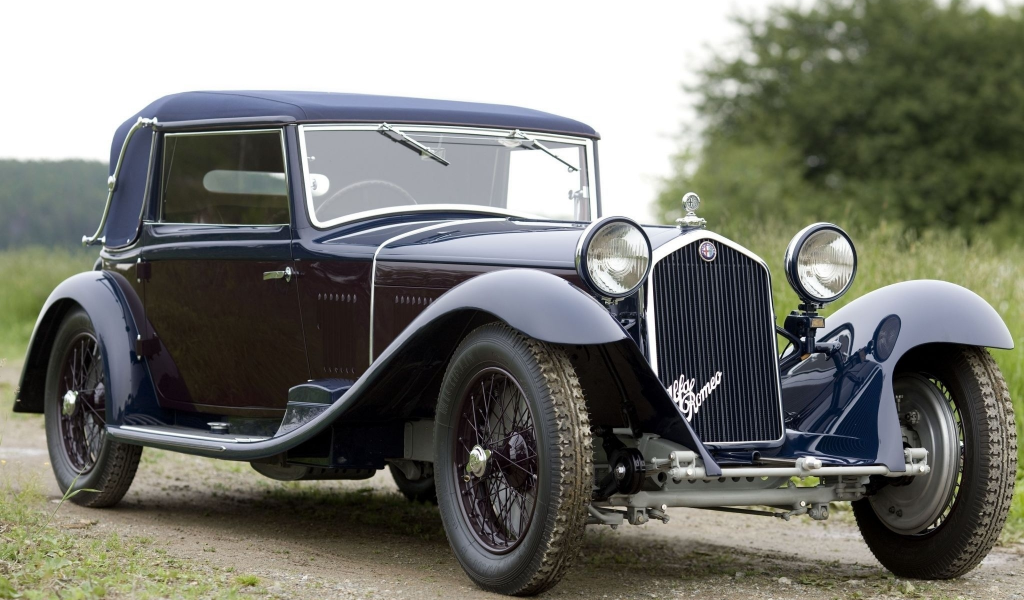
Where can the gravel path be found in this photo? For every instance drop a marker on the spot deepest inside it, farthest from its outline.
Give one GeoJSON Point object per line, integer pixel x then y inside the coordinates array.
{"type": "Point", "coordinates": [360, 539]}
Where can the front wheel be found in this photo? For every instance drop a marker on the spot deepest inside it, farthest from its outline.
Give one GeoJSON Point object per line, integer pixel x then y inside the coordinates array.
{"type": "Point", "coordinates": [513, 462]}
{"type": "Point", "coordinates": [953, 401]}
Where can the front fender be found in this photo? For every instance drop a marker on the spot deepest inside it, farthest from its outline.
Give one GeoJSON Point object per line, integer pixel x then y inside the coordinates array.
{"type": "Point", "coordinates": [539, 304]}
{"type": "Point", "coordinates": [844, 409]}
{"type": "Point", "coordinates": [930, 312]}
{"type": "Point", "coordinates": [111, 304]}
{"type": "Point", "coordinates": [406, 376]}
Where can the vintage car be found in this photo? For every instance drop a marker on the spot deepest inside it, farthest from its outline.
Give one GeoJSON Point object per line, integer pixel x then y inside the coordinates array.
{"type": "Point", "coordinates": [328, 285]}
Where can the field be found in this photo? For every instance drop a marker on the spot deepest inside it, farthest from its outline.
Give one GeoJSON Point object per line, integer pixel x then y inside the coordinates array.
{"type": "Point", "coordinates": [28, 276]}
{"type": "Point", "coordinates": [886, 256]}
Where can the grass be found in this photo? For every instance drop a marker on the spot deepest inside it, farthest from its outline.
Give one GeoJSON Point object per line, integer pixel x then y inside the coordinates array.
{"type": "Point", "coordinates": [39, 559]}
{"type": "Point", "coordinates": [28, 276]}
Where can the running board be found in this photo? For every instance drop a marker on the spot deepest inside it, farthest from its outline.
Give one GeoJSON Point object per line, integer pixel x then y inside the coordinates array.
{"type": "Point", "coordinates": [307, 403]}
{"type": "Point", "coordinates": [188, 438]}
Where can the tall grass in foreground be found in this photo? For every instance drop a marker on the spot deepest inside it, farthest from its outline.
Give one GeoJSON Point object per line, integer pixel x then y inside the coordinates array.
{"type": "Point", "coordinates": [27, 276]}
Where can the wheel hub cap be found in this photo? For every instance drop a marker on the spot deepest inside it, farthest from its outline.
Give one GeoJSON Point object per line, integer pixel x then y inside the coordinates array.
{"type": "Point", "coordinates": [912, 507]}
{"type": "Point", "coordinates": [69, 403]}
{"type": "Point", "coordinates": [477, 464]}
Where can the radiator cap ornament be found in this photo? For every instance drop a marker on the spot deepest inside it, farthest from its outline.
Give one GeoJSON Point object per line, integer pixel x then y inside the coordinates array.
{"type": "Point", "coordinates": [691, 202]}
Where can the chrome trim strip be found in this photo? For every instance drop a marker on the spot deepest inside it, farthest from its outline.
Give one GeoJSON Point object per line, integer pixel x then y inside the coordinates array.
{"type": "Point", "coordinates": [587, 144]}
{"type": "Point", "coordinates": [219, 225]}
{"type": "Point", "coordinates": [191, 436]}
{"type": "Point", "coordinates": [112, 181]}
{"type": "Point", "coordinates": [227, 132]}
{"type": "Point", "coordinates": [660, 253]}
{"type": "Point", "coordinates": [373, 263]}
{"type": "Point", "coordinates": [429, 208]}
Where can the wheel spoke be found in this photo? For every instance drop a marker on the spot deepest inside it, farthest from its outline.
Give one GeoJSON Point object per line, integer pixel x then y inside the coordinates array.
{"type": "Point", "coordinates": [495, 416]}
{"type": "Point", "coordinates": [84, 430]}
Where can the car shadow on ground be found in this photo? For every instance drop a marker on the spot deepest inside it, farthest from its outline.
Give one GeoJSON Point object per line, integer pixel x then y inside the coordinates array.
{"type": "Point", "coordinates": [383, 528]}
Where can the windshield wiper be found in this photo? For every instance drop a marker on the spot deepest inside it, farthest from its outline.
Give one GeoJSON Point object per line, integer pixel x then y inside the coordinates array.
{"type": "Point", "coordinates": [532, 143]}
{"type": "Point", "coordinates": [397, 136]}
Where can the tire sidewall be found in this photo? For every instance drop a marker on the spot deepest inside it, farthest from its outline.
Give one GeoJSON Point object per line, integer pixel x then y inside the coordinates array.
{"type": "Point", "coordinates": [492, 347]}
{"type": "Point", "coordinates": [74, 323]}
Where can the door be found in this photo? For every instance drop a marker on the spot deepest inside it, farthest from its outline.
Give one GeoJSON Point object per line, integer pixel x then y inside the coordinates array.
{"type": "Point", "coordinates": [221, 293]}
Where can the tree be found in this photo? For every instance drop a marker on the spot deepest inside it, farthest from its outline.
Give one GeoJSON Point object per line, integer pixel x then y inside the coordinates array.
{"type": "Point", "coordinates": [50, 203]}
{"type": "Point", "coordinates": [865, 109]}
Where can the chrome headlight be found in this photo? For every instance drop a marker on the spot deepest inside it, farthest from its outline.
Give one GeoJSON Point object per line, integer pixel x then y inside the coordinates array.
{"type": "Point", "coordinates": [821, 263]}
{"type": "Point", "coordinates": [614, 256]}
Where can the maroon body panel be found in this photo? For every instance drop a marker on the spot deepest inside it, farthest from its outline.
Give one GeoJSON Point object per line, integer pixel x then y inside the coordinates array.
{"type": "Point", "coordinates": [404, 289]}
{"type": "Point", "coordinates": [235, 339]}
{"type": "Point", "coordinates": [334, 296]}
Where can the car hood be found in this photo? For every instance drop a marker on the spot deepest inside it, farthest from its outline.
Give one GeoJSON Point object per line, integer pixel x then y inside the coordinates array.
{"type": "Point", "coordinates": [499, 242]}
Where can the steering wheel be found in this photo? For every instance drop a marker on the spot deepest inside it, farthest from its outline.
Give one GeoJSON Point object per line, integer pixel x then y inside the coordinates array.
{"type": "Point", "coordinates": [362, 184]}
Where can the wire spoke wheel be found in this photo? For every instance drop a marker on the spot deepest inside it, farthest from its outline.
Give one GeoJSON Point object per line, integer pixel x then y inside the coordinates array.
{"type": "Point", "coordinates": [513, 460]}
{"type": "Point", "coordinates": [496, 422]}
{"type": "Point", "coordinates": [83, 402]}
{"type": "Point", "coordinates": [76, 397]}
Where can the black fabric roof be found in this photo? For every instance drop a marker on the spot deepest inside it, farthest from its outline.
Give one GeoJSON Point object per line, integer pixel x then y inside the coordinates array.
{"type": "Point", "coordinates": [306, 107]}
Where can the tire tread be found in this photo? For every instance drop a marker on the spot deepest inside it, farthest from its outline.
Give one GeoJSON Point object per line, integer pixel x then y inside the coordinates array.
{"type": "Point", "coordinates": [568, 461]}
{"type": "Point", "coordinates": [978, 523]}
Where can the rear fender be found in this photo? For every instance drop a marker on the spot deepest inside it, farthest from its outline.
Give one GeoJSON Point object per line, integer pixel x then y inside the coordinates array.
{"type": "Point", "coordinates": [111, 304]}
{"type": "Point", "coordinates": [844, 410]}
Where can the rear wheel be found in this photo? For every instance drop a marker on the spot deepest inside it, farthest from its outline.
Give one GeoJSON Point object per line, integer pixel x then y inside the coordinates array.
{"type": "Point", "coordinates": [513, 463]}
{"type": "Point", "coordinates": [954, 402]}
{"type": "Point", "coordinates": [81, 454]}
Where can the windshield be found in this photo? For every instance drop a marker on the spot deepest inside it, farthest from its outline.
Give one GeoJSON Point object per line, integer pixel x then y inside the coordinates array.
{"type": "Point", "coordinates": [355, 170]}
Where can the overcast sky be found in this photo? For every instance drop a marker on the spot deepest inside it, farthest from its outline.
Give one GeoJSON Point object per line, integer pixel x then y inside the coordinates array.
{"type": "Point", "coordinates": [73, 73]}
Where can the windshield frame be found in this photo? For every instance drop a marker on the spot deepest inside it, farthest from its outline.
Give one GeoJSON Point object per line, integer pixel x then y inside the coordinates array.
{"type": "Point", "coordinates": [586, 143]}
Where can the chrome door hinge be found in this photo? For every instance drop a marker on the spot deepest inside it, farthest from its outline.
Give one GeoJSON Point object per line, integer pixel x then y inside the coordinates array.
{"type": "Point", "coordinates": [147, 347]}
{"type": "Point", "coordinates": [143, 270]}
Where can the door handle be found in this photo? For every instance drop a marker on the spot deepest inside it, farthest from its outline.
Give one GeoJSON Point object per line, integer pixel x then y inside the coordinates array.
{"type": "Point", "coordinates": [286, 274]}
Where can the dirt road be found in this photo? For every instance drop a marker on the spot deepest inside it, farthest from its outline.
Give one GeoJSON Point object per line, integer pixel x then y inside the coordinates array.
{"type": "Point", "coordinates": [360, 539]}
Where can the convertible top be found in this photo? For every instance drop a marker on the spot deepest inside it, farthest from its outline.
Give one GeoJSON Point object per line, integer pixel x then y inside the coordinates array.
{"type": "Point", "coordinates": [318, 107]}
{"type": "Point", "coordinates": [300, 107]}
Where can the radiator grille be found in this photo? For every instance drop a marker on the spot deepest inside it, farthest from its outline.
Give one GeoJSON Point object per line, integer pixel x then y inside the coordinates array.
{"type": "Point", "coordinates": [714, 317]}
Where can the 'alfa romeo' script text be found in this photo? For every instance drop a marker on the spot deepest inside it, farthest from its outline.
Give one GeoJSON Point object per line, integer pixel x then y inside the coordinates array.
{"type": "Point", "coordinates": [689, 401]}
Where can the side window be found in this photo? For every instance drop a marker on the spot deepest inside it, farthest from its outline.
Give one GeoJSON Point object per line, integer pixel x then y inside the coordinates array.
{"type": "Point", "coordinates": [224, 178]}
